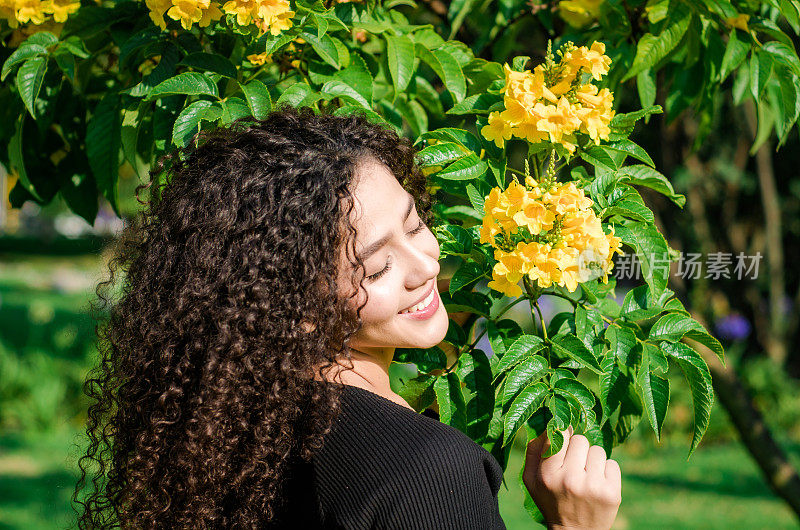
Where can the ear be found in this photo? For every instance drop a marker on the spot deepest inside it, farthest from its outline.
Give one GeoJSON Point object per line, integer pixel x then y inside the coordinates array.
{"type": "Point", "coordinates": [307, 327]}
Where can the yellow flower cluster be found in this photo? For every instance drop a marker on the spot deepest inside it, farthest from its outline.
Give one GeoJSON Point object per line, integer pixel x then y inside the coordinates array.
{"type": "Point", "coordinates": [202, 12]}
{"type": "Point", "coordinates": [552, 102]}
{"type": "Point", "coordinates": [579, 13]}
{"type": "Point", "coordinates": [18, 12]}
{"type": "Point", "coordinates": [269, 15]}
{"type": "Point", "coordinates": [568, 246]}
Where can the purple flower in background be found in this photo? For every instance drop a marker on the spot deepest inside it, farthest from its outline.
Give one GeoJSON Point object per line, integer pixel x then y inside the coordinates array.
{"type": "Point", "coordinates": [733, 327]}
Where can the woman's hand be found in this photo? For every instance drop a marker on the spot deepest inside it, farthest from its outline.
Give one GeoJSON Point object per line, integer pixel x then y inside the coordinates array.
{"type": "Point", "coordinates": [575, 488]}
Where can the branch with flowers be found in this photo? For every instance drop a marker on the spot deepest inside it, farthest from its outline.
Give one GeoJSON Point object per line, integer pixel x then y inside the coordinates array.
{"type": "Point", "coordinates": [553, 228]}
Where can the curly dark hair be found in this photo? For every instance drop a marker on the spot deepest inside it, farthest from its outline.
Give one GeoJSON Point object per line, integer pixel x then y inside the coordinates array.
{"type": "Point", "coordinates": [204, 390]}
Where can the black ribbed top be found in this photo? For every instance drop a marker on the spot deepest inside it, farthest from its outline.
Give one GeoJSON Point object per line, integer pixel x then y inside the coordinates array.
{"type": "Point", "coordinates": [385, 466]}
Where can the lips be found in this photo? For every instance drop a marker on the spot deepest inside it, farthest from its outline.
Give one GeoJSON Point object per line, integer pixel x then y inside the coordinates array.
{"type": "Point", "coordinates": [424, 296]}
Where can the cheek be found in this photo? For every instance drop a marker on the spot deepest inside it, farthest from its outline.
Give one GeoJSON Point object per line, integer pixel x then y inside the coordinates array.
{"type": "Point", "coordinates": [382, 303]}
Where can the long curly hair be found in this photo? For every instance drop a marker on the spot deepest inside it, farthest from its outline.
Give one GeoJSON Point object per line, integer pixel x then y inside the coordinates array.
{"type": "Point", "coordinates": [204, 390]}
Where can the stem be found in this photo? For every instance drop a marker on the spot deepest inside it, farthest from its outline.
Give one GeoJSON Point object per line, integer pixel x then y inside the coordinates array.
{"type": "Point", "coordinates": [470, 347]}
{"type": "Point", "coordinates": [544, 326]}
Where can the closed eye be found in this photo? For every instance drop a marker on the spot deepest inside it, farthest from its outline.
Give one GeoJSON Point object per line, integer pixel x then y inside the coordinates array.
{"type": "Point", "coordinates": [388, 266]}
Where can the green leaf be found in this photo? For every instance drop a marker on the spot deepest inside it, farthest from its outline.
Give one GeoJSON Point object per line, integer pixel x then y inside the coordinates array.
{"type": "Point", "coordinates": [426, 359]}
{"type": "Point", "coordinates": [529, 370]}
{"type": "Point", "coordinates": [465, 275]}
{"type": "Point", "coordinates": [561, 410]}
{"type": "Point", "coordinates": [522, 348]}
{"type": "Point", "coordinates": [210, 62]}
{"type": "Point", "coordinates": [371, 115]}
{"type": "Point", "coordinates": [342, 90]}
{"type": "Point", "coordinates": [654, 357]}
{"type": "Point", "coordinates": [450, 134]}
{"type": "Point", "coordinates": [569, 345]}
{"type": "Point", "coordinates": [632, 210]}
{"type": "Point", "coordinates": [427, 95]}
{"type": "Point", "coordinates": [760, 72]}
{"type": "Point", "coordinates": [632, 149]}
{"type": "Point", "coordinates": [476, 104]}
{"type": "Point", "coordinates": [646, 87]}
{"type": "Point", "coordinates": [446, 67]}
{"type": "Point", "coordinates": [622, 340]}
{"type": "Point", "coordinates": [698, 376]}
{"type": "Point", "coordinates": [529, 401]}
{"type": "Point", "coordinates": [414, 114]}
{"type": "Point", "coordinates": [357, 76]}
{"type": "Point", "coordinates": [65, 61]}
{"type": "Point", "coordinates": [441, 153]}
{"type": "Point", "coordinates": [599, 157]}
{"type": "Point", "coordinates": [454, 240]}
{"type": "Point", "coordinates": [102, 146]}
{"type": "Point", "coordinates": [17, 160]}
{"type": "Point", "coordinates": [234, 108]}
{"type": "Point", "coordinates": [639, 303]}
{"type": "Point", "coordinates": [298, 95]}
{"type": "Point", "coordinates": [622, 124]}
{"type": "Point", "coordinates": [652, 251]}
{"type": "Point", "coordinates": [75, 46]}
{"type": "Point", "coordinates": [20, 55]}
{"type": "Point", "coordinates": [162, 72]}
{"type": "Point", "coordinates": [613, 387]}
{"type": "Point", "coordinates": [653, 48]}
{"type": "Point", "coordinates": [258, 98]}
{"type": "Point", "coordinates": [452, 408]}
{"type": "Point", "coordinates": [673, 327]}
{"type": "Point", "coordinates": [400, 54]}
{"type": "Point", "coordinates": [735, 54]}
{"type": "Point", "coordinates": [579, 391]}
{"type": "Point", "coordinates": [418, 392]}
{"type": "Point", "coordinates": [325, 48]}
{"type": "Point", "coordinates": [42, 38]}
{"type": "Point", "coordinates": [29, 81]}
{"type": "Point", "coordinates": [641, 175]}
{"type": "Point", "coordinates": [467, 168]}
{"type": "Point", "coordinates": [188, 83]}
{"type": "Point", "coordinates": [655, 396]}
{"type": "Point", "coordinates": [784, 54]}
{"type": "Point", "coordinates": [188, 122]}
{"type": "Point", "coordinates": [476, 199]}
{"type": "Point", "coordinates": [475, 371]}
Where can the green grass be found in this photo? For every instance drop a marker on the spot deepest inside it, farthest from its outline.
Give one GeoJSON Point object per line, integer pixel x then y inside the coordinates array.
{"type": "Point", "coordinates": [719, 487]}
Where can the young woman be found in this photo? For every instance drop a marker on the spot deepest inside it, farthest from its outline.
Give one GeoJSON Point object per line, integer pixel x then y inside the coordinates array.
{"type": "Point", "coordinates": [244, 375]}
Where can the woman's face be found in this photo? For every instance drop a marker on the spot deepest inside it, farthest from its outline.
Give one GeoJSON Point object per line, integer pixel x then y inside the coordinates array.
{"type": "Point", "coordinates": [401, 257]}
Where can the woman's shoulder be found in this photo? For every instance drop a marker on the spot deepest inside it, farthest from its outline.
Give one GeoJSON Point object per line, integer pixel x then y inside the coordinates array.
{"type": "Point", "coordinates": [380, 456]}
{"type": "Point", "coordinates": [376, 431]}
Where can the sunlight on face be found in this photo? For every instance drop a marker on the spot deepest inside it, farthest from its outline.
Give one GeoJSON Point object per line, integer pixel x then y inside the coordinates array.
{"type": "Point", "coordinates": [399, 272]}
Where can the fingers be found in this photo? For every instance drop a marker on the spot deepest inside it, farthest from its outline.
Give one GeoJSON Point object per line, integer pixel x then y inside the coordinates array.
{"type": "Point", "coordinates": [613, 474]}
{"type": "Point", "coordinates": [577, 453]}
{"type": "Point", "coordinates": [537, 447]}
{"type": "Point", "coordinates": [596, 462]}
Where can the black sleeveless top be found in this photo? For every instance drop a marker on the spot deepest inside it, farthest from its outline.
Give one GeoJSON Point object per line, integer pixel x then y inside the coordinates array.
{"type": "Point", "coordinates": [384, 466]}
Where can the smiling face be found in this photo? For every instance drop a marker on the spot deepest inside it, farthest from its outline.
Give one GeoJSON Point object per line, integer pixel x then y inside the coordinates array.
{"type": "Point", "coordinates": [401, 257]}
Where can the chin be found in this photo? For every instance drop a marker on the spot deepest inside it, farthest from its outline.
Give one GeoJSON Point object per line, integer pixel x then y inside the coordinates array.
{"type": "Point", "coordinates": [435, 333]}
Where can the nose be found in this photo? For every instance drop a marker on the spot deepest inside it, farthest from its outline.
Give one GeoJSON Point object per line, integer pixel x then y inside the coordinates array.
{"type": "Point", "coordinates": [423, 266]}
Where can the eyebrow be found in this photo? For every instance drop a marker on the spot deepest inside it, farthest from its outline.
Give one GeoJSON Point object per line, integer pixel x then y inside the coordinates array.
{"type": "Point", "coordinates": [377, 245]}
